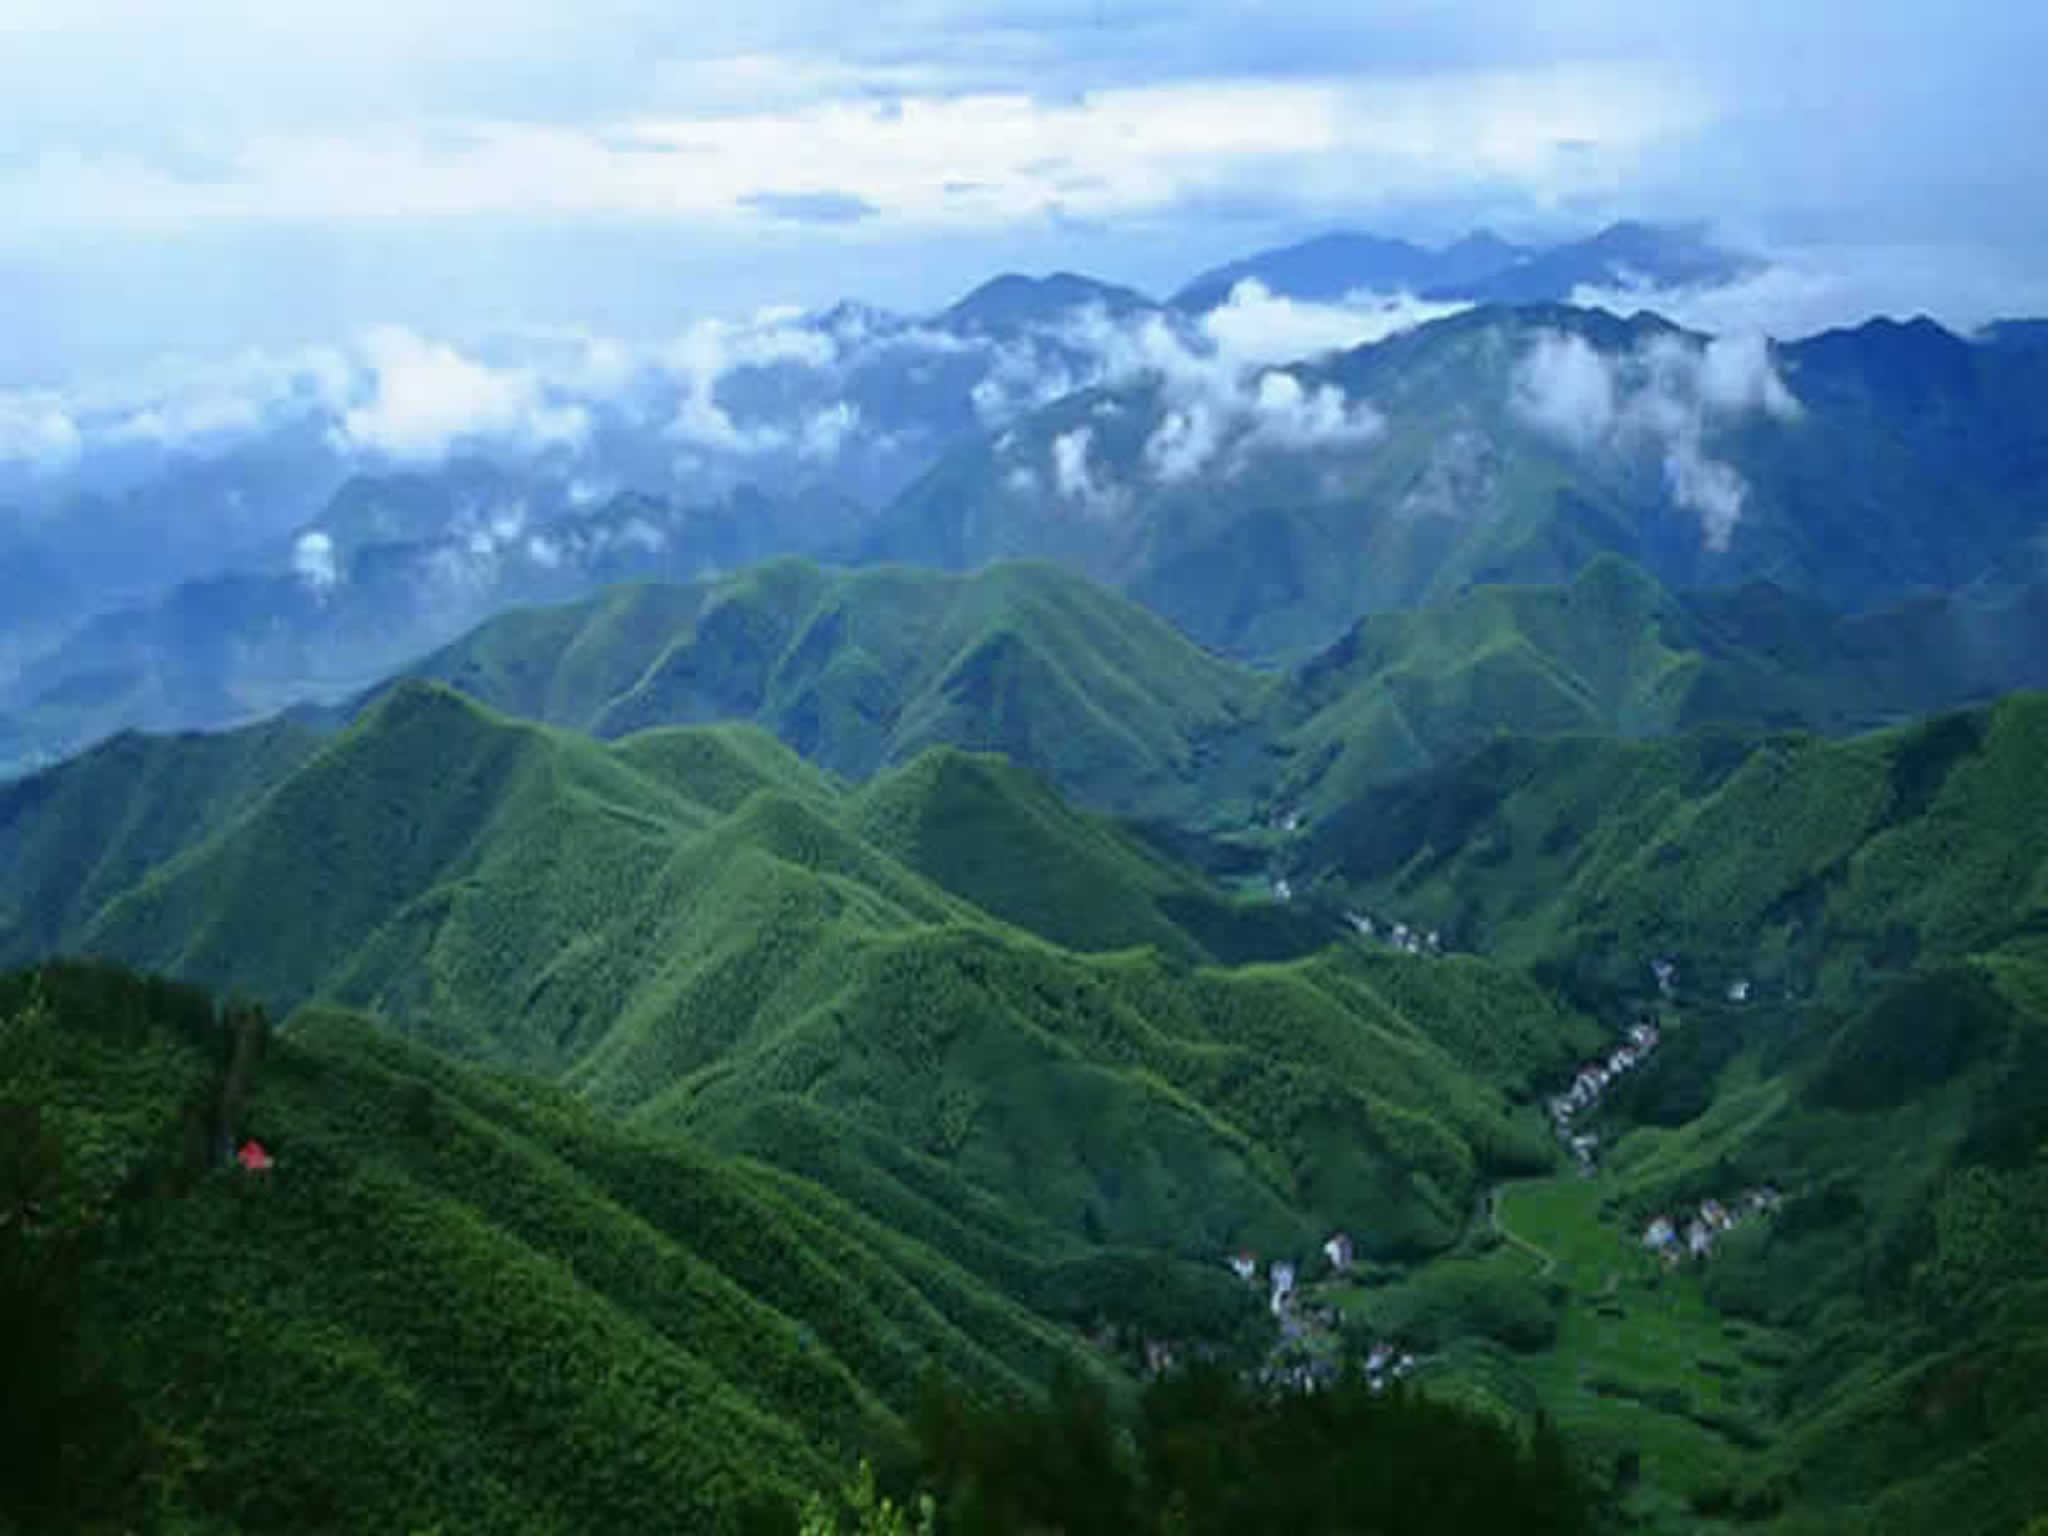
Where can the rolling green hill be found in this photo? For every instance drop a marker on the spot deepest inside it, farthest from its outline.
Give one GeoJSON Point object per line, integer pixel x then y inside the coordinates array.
{"type": "Point", "coordinates": [695, 931]}
{"type": "Point", "coordinates": [861, 670]}
{"type": "Point", "coordinates": [858, 670]}
{"type": "Point", "coordinates": [1612, 653]}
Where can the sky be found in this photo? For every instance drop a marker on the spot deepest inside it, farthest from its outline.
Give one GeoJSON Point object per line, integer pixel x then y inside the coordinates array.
{"type": "Point", "coordinates": [193, 175]}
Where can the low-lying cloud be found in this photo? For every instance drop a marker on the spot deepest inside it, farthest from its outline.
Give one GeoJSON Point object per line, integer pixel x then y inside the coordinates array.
{"type": "Point", "coordinates": [427, 397]}
{"type": "Point", "coordinates": [1074, 476]}
{"type": "Point", "coordinates": [1258, 326]}
{"type": "Point", "coordinates": [1665, 397]}
{"type": "Point", "coordinates": [1806, 290]}
{"type": "Point", "coordinates": [313, 562]}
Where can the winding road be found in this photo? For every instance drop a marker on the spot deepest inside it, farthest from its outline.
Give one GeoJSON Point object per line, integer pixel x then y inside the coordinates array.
{"type": "Point", "coordinates": [1549, 1260]}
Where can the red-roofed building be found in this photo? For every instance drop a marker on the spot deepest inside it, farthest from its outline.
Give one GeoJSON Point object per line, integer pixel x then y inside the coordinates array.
{"type": "Point", "coordinates": [253, 1158]}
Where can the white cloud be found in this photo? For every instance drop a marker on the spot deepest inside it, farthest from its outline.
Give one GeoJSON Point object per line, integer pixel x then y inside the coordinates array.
{"type": "Point", "coordinates": [825, 434]}
{"type": "Point", "coordinates": [1805, 290]}
{"type": "Point", "coordinates": [544, 552]}
{"type": "Point", "coordinates": [1215, 395]}
{"type": "Point", "coordinates": [1257, 326]}
{"type": "Point", "coordinates": [1666, 396]}
{"type": "Point", "coordinates": [1566, 388]}
{"type": "Point", "coordinates": [638, 533]}
{"type": "Point", "coordinates": [313, 562]}
{"type": "Point", "coordinates": [710, 349]}
{"type": "Point", "coordinates": [1737, 376]}
{"type": "Point", "coordinates": [426, 397]}
{"type": "Point", "coordinates": [1186, 439]}
{"type": "Point", "coordinates": [1287, 416]}
{"type": "Point", "coordinates": [36, 429]}
{"type": "Point", "coordinates": [1073, 476]}
{"type": "Point", "coordinates": [179, 421]}
{"type": "Point", "coordinates": [1706, 486]}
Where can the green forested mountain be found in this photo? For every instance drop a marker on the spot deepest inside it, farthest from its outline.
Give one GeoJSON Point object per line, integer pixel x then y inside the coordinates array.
{"type": "Point", "coordinates": [770, 1071]}
{"type": "Point", "coordinates": [696, 931]}
{"type": "Point", "coordinates": [859, 669]}
{"type": "Point", "coordinates": [1613, 653]}
{"type": "Point", "coordinates": [1858, 1015]}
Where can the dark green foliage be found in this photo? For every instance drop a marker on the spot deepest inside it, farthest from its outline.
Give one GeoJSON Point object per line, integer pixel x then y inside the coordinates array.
{"type": "Point", "coordinates": [1205, 1452]}
{"type": "Point", "coordinates": [1917, 1037]}
{"type": "Point", "coordinates": [456, 1299]}
{"type": "Point", "coordinates": [1493, 1298]}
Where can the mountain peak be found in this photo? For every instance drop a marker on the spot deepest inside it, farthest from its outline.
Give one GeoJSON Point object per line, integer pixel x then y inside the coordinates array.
{"type": "Point", "coordinates": [1014, 299]}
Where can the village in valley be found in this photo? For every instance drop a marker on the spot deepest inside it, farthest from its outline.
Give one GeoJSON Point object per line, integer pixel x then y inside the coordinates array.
{"type": "Point", "coordinates": [1313, 1343]}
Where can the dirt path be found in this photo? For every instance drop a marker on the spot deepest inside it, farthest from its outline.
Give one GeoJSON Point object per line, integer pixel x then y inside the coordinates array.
{"type": "Point", "coordinates": [1548, 1260]}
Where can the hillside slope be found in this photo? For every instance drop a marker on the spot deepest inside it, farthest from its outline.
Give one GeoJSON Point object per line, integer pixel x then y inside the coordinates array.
{"type": "Point", "coordinates": [861, 669]}
{"type": "Point", "coordinates": [1613, 653]}
{"type": "Point", "coordinates": [865, 669]}
{"type": "Point", "coordinates": [1807, 866]}
{"type": "Point", "coordinates": [695, 931]}
{"type": "Point", "coordinates": [566, 1326]}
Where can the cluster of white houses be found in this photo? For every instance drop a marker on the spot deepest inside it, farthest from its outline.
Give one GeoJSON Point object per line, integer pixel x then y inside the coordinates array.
{"type": "Point", "coordinates": [1592, 1081]}
{"type": "Point", "coordinates": [1706, 1224]}
{"type": "Point", "coordinates": [1384, 1362]}
{"type": "Point", "coordinates": [1413, 941]}
{"type": "Point", "coordinates": [1280, 1275]}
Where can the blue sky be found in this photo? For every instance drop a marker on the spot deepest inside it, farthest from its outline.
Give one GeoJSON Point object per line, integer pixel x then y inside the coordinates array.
{"type": "Point", "coordinates": [221, 173]}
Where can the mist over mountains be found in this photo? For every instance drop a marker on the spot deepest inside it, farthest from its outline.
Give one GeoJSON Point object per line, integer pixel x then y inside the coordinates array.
{"type": "Point", "coordinates": [1311, 434]}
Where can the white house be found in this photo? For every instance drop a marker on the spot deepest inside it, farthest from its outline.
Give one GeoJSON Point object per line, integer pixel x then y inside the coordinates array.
{"type": "Point", "coordinates": [1660, 1233]}
{"type": "Point", "coordinates": [1283, 1284]}
{"type": "Point", "coordinates": [1282, 890]}
{"type": "Point", "coordinates": [1339, 1250]}
{"type": "Point", "coordinates": [1245, 1266]}
{"type": "Point", "coordinates": [1738, 991]}
{"type": "Point", "coordinates": [1699, 1238]}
